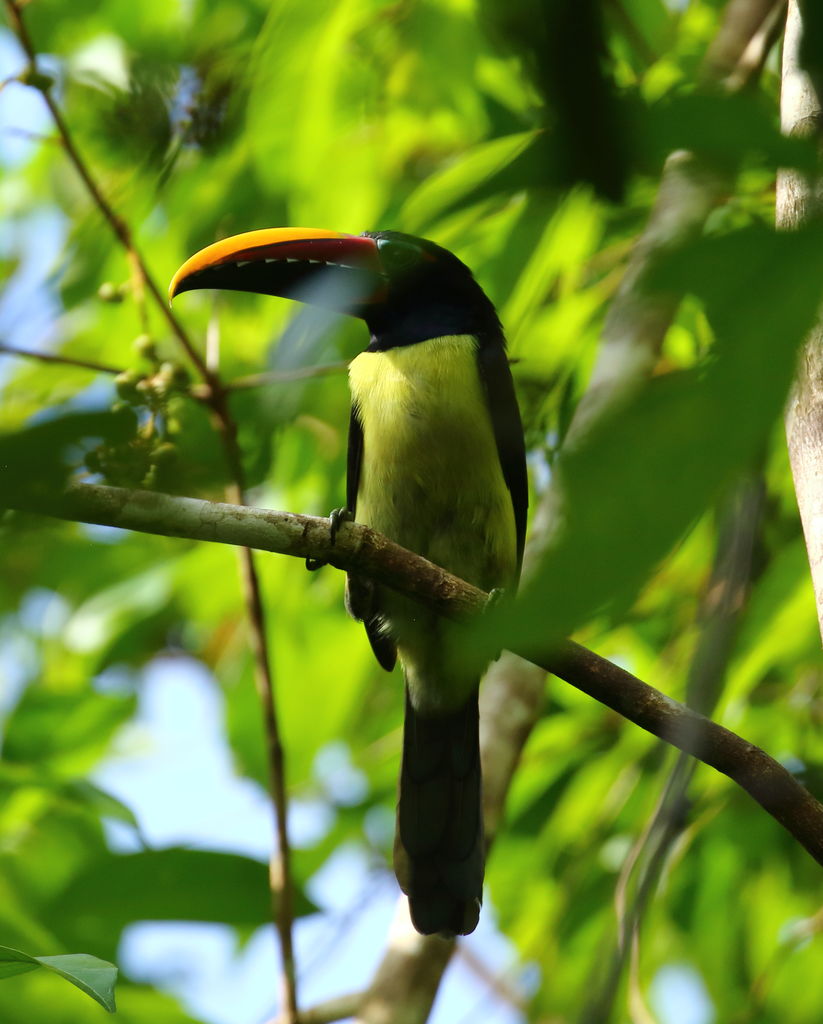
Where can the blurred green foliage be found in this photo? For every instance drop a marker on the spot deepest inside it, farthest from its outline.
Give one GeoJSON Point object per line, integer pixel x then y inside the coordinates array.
{"type": "Point", "coordinates": [530, 141]}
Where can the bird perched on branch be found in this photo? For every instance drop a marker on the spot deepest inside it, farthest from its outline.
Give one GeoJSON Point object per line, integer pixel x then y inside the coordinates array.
{"type": "Point", "coordinates": [436, 462]}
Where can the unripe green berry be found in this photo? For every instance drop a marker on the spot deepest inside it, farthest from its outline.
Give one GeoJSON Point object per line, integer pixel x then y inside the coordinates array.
{"type": "Point", "coordinates": [182, 378]}
{"type": "Point", "coordinates": [164, 453]}
{"type": "Point", "coordinates": [107, 292]}
{"type": "Point", "coordinates": [127, 385]}
{"type": "Point", "coordinates": [144, 346]}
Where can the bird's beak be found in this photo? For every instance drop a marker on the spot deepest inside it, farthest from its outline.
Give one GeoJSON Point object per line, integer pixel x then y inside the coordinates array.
{"type": "Point", "coordinates": [325, 268]}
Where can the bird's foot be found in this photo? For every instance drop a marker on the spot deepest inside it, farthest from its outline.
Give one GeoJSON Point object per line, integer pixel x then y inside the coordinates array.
{"type": "Point", "coordinates": [337, 517]}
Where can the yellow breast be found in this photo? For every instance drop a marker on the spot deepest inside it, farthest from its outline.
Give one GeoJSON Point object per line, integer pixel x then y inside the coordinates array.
{"type": "Point", "coordinates": [430, 476]}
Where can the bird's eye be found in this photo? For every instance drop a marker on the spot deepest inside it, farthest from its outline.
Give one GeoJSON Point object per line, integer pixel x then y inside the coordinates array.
{"type": "Point", "coordinates": [397, 256]}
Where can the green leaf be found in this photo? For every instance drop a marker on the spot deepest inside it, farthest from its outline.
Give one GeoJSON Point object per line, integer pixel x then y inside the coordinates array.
{"type": "Point", "coordinates": [323, 128]}
{"type": "Point", "coordinates": [504, 165]}
{"type": "Point", "coordinates": [725, 129]}
{"type": "Point", "coordinates": [13, 961]}
{"type": "Point", "coordinates": [560, 44]}
{"type": "Point", "coordinates": [642, 477]}
{"type": "Point", "coordinates": [174, 884]}
{"type": "Point", "coordinates": [45, 452]}
{"type": "Point", "coordinates": [49, 726]}
{"type": "Point", "coordinates": [74, 792]}
{"type": "Point", "coordinates": [93, 976]}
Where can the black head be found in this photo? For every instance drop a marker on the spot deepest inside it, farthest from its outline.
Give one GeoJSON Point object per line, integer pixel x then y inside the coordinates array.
{"type": "Point", "coordinates": [429, 293]}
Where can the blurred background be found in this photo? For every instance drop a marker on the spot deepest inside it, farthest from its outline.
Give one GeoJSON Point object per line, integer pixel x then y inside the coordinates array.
{"type": "Point", "coordinates": [529, 138]}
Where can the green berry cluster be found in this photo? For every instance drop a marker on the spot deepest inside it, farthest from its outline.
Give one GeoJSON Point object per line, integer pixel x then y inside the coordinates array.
{"type": "Point", "coordinates": [152, 391]}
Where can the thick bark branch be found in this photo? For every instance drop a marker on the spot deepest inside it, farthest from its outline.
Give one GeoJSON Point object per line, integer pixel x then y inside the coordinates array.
{"type": "Point", "coordinates": [357, 548]}
{"type": "Point", "coordinates": [640, 314]}
{"type": "Point", "coordinates": [800, 199]}
{"type": "Point", "coordinates": [744, 20]}
{"type": "Point", "coordinates": [361, 550]}
{"type": "Point", "coordinates": [406, 982]}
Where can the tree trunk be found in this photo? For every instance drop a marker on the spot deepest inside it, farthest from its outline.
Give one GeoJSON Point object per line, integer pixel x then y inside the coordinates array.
{"type": "Point", "coordinates": [798, 200]}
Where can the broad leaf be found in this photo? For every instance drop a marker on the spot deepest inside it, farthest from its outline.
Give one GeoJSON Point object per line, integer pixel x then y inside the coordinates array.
{"type": "Point", "coordinates": [93, 976]}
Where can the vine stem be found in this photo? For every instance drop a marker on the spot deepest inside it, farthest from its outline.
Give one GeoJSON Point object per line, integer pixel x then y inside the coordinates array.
{"type": "Point", "coordinates": [214, 394]}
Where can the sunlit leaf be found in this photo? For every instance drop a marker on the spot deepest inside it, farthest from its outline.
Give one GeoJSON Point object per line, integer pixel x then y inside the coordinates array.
{"type": "Point", "coordinates": [174, 884]}
{"type": "Point", "coordinates": [93, 976]}
{"type": "Point", "coordinates": [640, 480]}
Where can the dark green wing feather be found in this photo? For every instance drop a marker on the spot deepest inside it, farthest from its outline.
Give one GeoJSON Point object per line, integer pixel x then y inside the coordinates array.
{"type": "Point", "coordinates": [497, 381]}
{"type": "Point", "coordinates": [354, 460]}
{"type": "Point", "coordinates": [362, 595]}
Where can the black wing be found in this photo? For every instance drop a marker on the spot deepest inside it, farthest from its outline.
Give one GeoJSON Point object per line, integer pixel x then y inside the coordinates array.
{"type": "Point", "coordinates": [354, 460]}
{"type": "Point", "coordinates": [508, 431]}
{"type": "Point", "coordinates": [362, 595]}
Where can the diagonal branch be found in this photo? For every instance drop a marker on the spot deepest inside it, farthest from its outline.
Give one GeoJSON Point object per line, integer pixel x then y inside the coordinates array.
{"type": "Point", "coordinates": [214, 394]}
{"type": "Point", "coordinates": [60, 360]}
{"type": "Point", "coordinates": [798, 200]}
{"type": "Point", "coordinates": [361, 550]}
{"type": "Point", "coordinates": [339, 1008]}
{"type": "Point", "coordinates": [202, 392]}
{"type": "Point", "coordinates": [722, 604]}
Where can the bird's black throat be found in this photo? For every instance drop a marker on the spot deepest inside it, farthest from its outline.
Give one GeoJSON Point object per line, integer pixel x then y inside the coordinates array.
{"type": "Point", "coordinates": [433, 300]}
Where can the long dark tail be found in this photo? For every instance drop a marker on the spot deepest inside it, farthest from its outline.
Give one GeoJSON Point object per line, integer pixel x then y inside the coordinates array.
{"type": "Point", "coordinates": [439, 846]}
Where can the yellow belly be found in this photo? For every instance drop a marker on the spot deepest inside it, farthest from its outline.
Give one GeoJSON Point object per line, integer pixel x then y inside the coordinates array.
{"type": "Point", "coordinates": [430, 475]}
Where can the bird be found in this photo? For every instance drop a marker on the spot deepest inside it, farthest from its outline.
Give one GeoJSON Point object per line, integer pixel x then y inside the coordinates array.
{"type": "Point", "coordinates": [436, 462]}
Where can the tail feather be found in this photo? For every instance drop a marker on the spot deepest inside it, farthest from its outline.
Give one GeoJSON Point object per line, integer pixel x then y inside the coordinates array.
{"type": "Point", "coordinates": [439, 846]}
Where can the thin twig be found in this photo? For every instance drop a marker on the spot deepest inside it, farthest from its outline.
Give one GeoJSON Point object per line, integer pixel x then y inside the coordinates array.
{"type": "Point", "coordinates": [743, 21]}
{"type": "Point", "coordinates": [721, 607]}
{"type": "Point", "coordinates": [280, 863]}
{"type": "Point", "coordinates": [497, 982]}
{"type": "Point", "coordinates": [799, 200]}
{"type": "Point", "coordinates": [406, 981]}
{"type": "Point", "coordinates": [201, 392]}
{"type": "Point", "coordinates": [51, 357]}
{"type": "Point", "coordinates": [628, 26]}
{"type": "Point", "coordinates": [118, 226]}
{"type": "Point", "coordinates": [214, 395]}
{"type": "Point", "coordinates": [23, 133]}
{"type": "Point", "coordinates": [798, 934]}
{"type": "Point", "coordinates": [339, 1008]}
{"type": "Point", "coordinates": [261, 380]}
{"type": "Point", "coordinates": [213, 338]}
